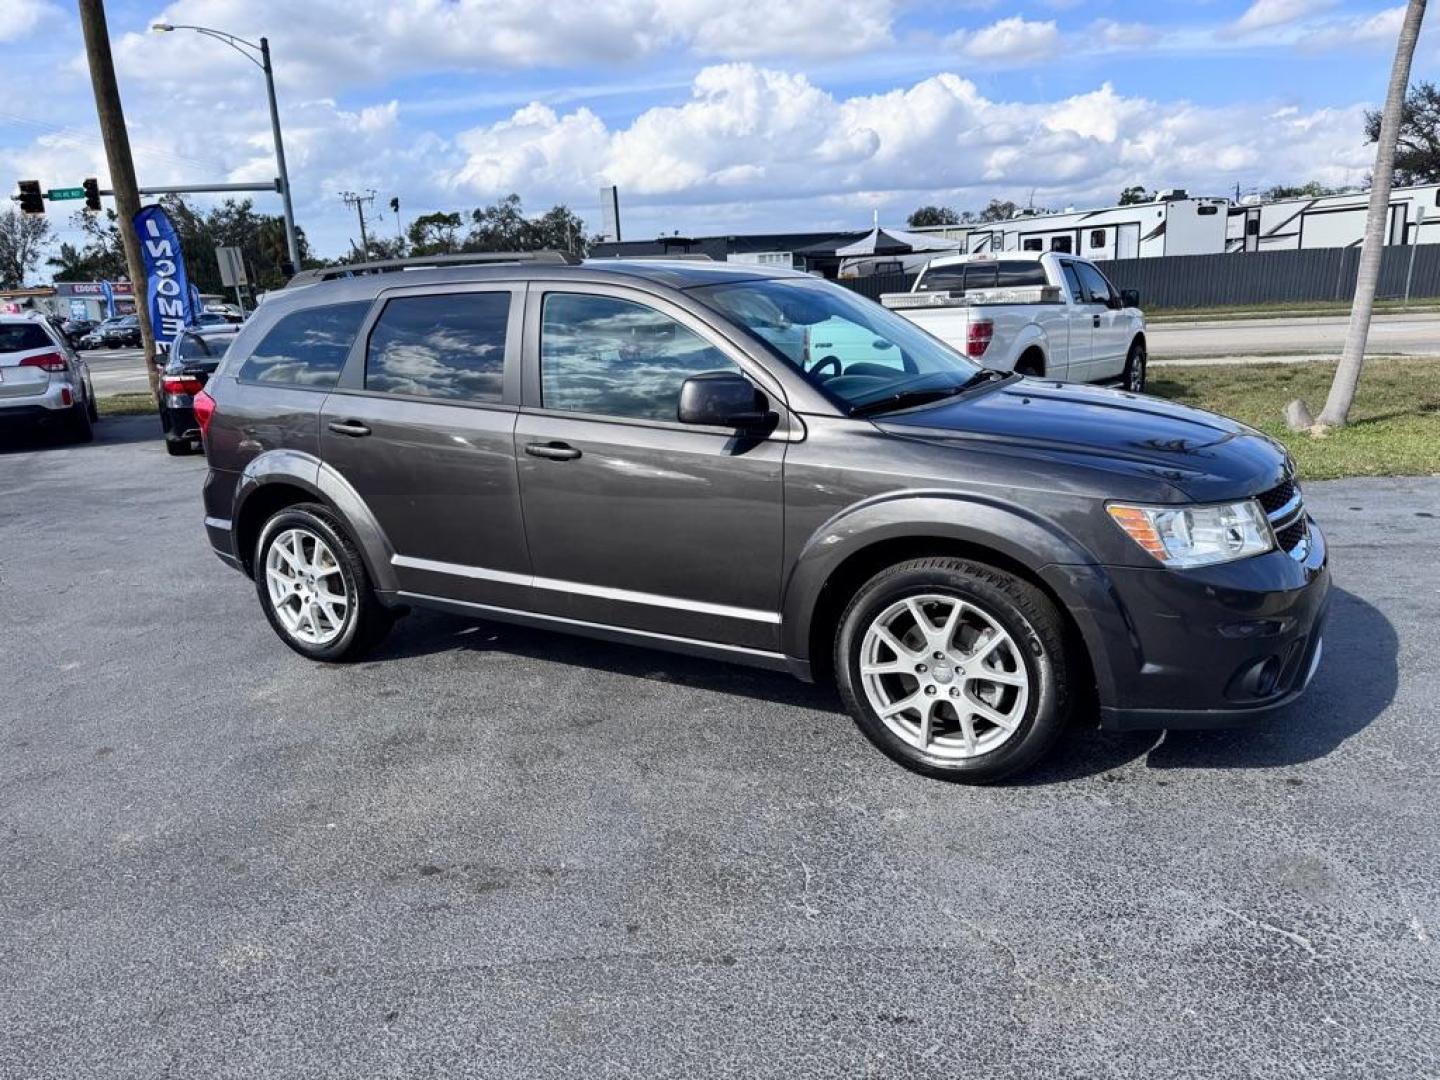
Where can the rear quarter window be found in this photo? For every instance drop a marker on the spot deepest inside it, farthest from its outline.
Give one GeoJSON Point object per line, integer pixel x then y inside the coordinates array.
{"type": "Point", "coordinates": [306, 348]}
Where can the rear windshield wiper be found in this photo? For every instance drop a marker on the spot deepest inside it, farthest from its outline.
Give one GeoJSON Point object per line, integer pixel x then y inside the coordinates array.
{"type": "Point", "coordinates": [909, 399]}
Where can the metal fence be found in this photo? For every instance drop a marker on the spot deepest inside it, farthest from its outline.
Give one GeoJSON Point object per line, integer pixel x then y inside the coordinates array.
{"type": "Point", "coordinates": [1270, 277]}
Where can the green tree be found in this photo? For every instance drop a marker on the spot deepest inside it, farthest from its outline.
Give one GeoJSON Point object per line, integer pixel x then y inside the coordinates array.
{"type": "Point", "coordinates": [930, 216]}
{"type": "Point", "coordinates": [22, 239]}
{"type": "Point", "coordinates": [1134, 195]}
{"type": "Point", "coordinates": [1417, 155]}
{"type": "Point", "coordinates": [434, 234]}
{"type": "Point", "coordinates": [100, 258]}
{"type": "Point", "coordinates": [999, 210]}
{"type": "Point", "coordinates": [1313, 190]}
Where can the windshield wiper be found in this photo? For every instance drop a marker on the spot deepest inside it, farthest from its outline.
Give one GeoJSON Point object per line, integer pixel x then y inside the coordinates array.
{"type": "Point", "coordinates": [909, 399]}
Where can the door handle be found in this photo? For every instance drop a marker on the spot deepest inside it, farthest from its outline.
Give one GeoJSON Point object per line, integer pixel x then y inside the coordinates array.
{"type": "Point", "coordinates": [1097, 322]}
{"type": "Point", "coordinates": [553, 451]}
{"type": "Point", "coordinates": [349, 427]}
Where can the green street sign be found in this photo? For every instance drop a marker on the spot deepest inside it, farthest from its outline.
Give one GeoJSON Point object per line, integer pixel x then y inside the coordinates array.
{"type": "Point", "coordinates": [65, 193]}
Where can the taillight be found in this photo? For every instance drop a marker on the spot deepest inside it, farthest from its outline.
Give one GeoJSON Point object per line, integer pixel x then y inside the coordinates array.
{"type": "Point", "coordinates": [979, 338]}
{"type": "Point", "coordinates": [181, 384]}
{"type": "Point", "coordinates": [204, 410]}
{"type": "Point", "coordinates": [50, 361]}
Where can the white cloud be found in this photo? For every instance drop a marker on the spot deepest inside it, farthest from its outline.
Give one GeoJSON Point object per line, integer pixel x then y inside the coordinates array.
{"type": "Point", "coordinates": [756, 138]}
{"type": "Point", "coordinates": [1268, 14]}
{"type": "Point", "coordinates": [1382, 28]}
{"type": "Point", "coordinates": [1117, 35]}
{"type": "Point", "coordinates": [1014, 39]}
{"type": "Point", "coordinates": [21, 18]}
{"type": "Point", "coordinates": [325, 45]}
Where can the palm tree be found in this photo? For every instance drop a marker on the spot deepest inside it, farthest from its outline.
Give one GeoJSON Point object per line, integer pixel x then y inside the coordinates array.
{"type": "Point", "coordinates": [1347, 375]}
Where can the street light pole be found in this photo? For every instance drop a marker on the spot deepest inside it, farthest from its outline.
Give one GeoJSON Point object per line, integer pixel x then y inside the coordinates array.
{"type": "Point", "coordinates": [291, 240]}
{"type": "Point", "coordinates": [243, 47]}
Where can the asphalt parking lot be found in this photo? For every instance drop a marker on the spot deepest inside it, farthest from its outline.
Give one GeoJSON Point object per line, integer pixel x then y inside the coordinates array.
{"type": "Point", "coordinates": [502, 853]}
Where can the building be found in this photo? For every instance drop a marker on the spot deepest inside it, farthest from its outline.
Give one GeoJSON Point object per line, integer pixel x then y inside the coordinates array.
{"type": "Point", "coordinates": [766, 249]}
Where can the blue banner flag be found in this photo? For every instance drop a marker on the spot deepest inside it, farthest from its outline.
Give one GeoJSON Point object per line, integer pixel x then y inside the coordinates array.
{"type": "Point", "coordinates": [167, 292]}
{"type": "Point", "coordinates": [108, 292]}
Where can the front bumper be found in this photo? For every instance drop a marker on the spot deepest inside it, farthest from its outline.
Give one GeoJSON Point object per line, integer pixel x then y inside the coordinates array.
{"type": "Point", "coordinates": [1212, 647]}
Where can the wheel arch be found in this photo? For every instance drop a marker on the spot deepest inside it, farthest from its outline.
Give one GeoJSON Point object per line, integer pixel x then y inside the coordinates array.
{"type": "Point", "coordinates": [846, 553]}
{"type": "Point", "coordinates": [274, 481]}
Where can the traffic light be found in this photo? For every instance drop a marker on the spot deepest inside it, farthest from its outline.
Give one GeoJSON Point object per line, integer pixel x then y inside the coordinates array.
{"type": "Point", "coordinates": [31, 200]}
{"type": "Point", "coordinates": [92, 193]}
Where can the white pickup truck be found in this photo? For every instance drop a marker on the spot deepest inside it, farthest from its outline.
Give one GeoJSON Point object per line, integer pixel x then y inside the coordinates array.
{"type": "Point", "coordinates": [1049, 314]}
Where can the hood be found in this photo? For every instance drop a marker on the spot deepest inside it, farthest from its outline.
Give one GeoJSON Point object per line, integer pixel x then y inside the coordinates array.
{"type": "Point", "coordinates": [1205, 455]}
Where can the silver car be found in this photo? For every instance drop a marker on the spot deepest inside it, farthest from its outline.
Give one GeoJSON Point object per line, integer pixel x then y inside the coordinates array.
{"type": "Point", "coordinates": [42, 379]}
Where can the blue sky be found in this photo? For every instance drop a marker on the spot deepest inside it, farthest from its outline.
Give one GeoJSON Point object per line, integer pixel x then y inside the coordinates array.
{"type": "Point", "coordinates": [709, 115]}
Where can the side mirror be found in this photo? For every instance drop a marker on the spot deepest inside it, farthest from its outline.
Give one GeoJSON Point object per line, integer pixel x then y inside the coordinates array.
{"type": "Point", "coordinates": [723, 399]}
{"type": "Point", "coordinates": [1130, 298]}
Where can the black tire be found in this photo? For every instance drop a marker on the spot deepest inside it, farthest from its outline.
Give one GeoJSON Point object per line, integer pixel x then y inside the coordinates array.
{"type": "Point", "coordinates": [78, 426]}
{"type": "Point", "coordinates": [366, 620]}
{"type": "Point", "coordinates": [1136, 365]}
{"type": "Point", "coordinates": [1032, 364]}
{"type": "Point", "coordinates": [92, 407]}
{"type": "Point", "coordinates": [1022, 610]}
{"type": "Point", "coordinates": [177, 447]}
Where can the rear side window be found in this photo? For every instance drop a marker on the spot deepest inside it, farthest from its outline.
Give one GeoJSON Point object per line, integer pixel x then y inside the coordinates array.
{"type": "Point", "coordinates": [449, 346]}
{"type": "Point", "coordinates": [306, 348]}
{"type": "Point", "coordinates": [1072, 281]}
{"type": "Point", "coordinates": [1015, 274]}
{"type": "Point", "coordinates": [22, 337]}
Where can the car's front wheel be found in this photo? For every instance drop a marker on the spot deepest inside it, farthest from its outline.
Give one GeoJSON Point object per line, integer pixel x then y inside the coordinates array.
{"type": "Point", "coordinates": [314, 587]}
{"type": "Point", "coordinates": [1136, 362]}
{"type": "Point", "coordinates": [954, 669]}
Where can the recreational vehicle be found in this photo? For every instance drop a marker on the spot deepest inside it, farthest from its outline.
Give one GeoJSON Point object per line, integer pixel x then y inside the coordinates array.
{"type": "Point", "coordinates": [1331, 221]}
{"type": "Point", "coordinates": [1174, 224]}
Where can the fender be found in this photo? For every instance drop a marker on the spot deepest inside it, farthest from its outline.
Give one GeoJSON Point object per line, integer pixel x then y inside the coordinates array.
{"type": "Point", "coordinates": [1039, 545]}
{"type": "Point", "coordinates": [1031, 335]}
{"type": "Point", "coordinates": [310, 474]}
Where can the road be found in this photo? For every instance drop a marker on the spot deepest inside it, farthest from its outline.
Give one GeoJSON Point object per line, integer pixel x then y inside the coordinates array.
{"type": "Point", "coordinates": [1413, 334]}
{"type": "Point", "coordinates": [500, 853]}
{"type": "Point", "coordinates": [120, 370]}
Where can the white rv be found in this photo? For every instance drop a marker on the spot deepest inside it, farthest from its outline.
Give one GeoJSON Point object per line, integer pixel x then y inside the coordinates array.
{"type": "Point", "coordinates": [1173, 224]}
{"type": "Point", "coordinates": [1331, 221]}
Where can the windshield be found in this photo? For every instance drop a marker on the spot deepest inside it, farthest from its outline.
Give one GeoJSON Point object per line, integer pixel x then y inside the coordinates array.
{"type": "Point", "coordinates": [195, 347]}
{"type": "Point", "coordinates": [857, 352]}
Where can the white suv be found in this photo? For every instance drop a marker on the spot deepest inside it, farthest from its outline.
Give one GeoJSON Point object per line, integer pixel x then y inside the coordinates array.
{"type": "Point", "coordinates": [42, 379]}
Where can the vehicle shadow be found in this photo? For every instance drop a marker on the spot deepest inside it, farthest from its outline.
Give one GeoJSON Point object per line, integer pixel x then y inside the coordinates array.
{"type": "Point", "coordinates": [425, 632]}
{"type": "Point", "coordinates": [1357, 681]}
{"type": "Point", "coordinates": [111, 430]}
{"type": "Point", "coordinates": [1340, 702]}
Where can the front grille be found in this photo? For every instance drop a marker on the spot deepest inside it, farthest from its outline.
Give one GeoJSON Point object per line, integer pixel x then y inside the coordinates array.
{"type": "Point", "coordinates": [1277, 497]}
{"type": "Point", "coordinates": [1285, 508]}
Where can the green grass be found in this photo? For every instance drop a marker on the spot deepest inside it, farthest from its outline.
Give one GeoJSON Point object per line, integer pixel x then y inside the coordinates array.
{"type": "Point", "coordinates": [139, 403]}
{"type": "Point", "coordinates": [1287, 310]}
{"type": "Point", "coordinates": [1394, 427]}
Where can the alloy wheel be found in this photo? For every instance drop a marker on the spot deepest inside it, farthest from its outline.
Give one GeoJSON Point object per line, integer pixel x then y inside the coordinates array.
{"type": "Point", "coordinates": [306, 588]}
{"type": "Point", "coordinates": [944, 676]}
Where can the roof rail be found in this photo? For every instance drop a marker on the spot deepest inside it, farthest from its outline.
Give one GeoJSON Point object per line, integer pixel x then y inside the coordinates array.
{"type": "Point", "coordinates": [421, 262]}
{"type": "Point", "coordinates": [688, 257]}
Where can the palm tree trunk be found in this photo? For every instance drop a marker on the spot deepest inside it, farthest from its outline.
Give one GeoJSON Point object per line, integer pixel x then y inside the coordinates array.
{"type": "Point", "coordinates": [1347, 375]}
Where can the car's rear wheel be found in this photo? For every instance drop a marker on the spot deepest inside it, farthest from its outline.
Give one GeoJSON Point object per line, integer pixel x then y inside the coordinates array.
{"type": "Point", "coordinates": [954, 669]}
{"type": "Point", "coordinates": [314, 587]}
{"type": "Point", "coordinates": [177, 447]}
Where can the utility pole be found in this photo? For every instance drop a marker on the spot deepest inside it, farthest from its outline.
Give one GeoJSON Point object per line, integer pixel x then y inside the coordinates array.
{"type": "Point", "coordinates": [351, 199]}
{"type": "Point", "coordinates": [122, 166]}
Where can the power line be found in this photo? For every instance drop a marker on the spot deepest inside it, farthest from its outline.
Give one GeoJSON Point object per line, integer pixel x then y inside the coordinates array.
{"type": "Point", "coordinates": [358, 202]}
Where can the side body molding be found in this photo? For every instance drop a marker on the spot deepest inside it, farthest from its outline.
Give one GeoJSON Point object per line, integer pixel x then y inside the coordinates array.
{"type": "Point", "coordinates": [309, 473]}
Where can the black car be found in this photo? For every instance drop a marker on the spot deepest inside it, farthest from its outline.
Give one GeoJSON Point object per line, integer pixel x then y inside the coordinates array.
{"type": "Point", "coordinates": [75, 330]}
{"type": "Point", "coordinates": [639, 451]}
{"type": "Point", "coordinates": [192, 359]}
{"type": "Point", "coordinates": [123, 332]}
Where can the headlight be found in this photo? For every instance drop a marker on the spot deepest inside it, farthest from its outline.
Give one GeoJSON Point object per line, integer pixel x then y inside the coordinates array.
{"type": "Point", "coordinates": [1185, 536]}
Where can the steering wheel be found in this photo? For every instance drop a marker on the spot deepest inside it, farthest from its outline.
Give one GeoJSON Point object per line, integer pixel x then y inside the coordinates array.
{"type": "Point", "coordinates": [824, 362]}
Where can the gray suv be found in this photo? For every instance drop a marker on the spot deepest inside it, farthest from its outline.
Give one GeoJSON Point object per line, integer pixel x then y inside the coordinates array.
{"type": "Point", "coordinates": [647, 452]}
